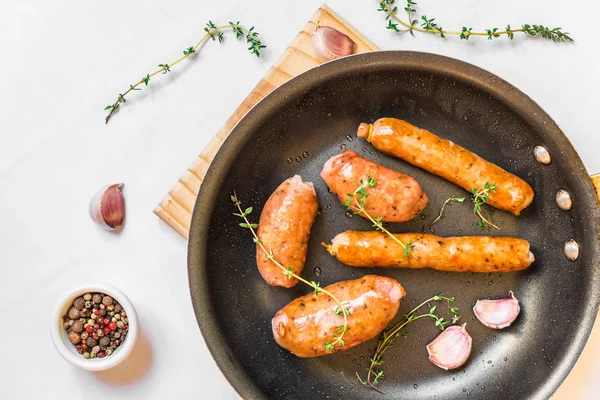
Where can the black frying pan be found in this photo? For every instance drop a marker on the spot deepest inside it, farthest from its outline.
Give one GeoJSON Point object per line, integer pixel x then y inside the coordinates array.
{"type": "Point", "coordinates": [311, 115]}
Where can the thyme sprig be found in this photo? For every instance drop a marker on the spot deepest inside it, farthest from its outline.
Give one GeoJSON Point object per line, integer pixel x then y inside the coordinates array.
{"type": "Point", "coordinates": [212, 31]}
{"type": "Point", "coordinates": [341, 310]}
{"type": "Point", "coordinates": [429, 25]}
{"type": "Point", "coordinates": [356, 204]}
{"type": "Point", "coordinates": [375, 370]}
{"type": "Point", "coordinates": [448, 200]}
{"type": "Point", "coordinates": [480, 197]}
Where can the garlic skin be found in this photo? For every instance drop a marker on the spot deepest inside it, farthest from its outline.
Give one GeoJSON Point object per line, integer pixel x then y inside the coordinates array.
{"type": "Point", "coordinates": [107, 207]}
{"type": "Point", "coordinates": [497, 314]}
{"type": "Point", "coordinates": [451, 348]}
{"type": "Point", "coordinates": [329, 43]}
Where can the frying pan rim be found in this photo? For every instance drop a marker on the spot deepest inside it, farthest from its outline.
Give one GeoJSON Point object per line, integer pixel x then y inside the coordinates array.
{"type": "Point", "coordinates": [444, 66]}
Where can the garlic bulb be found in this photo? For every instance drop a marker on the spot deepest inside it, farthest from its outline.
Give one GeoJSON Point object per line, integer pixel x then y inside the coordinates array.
{"type": "Point", "coordinates": [107, 207]}
{"type": "Point", "coordinates": [330, 43]}
{"type": "Point", "coordinates": [497, 314]}
{"type": "Point", "coordinates": [451, 348]}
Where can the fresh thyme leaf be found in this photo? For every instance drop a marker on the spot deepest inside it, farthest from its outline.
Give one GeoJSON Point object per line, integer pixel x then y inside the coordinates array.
{"type": "Point", "coordinates": [316, 286]}
{"type": "Point", "coordinates": [189, 51]}
{"type": "Point", "coordinates": [481, 197]}
{"type": "Point", "coordinates": [456, 199]}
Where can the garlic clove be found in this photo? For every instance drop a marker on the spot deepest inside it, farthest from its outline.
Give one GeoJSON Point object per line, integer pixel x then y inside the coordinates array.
{"type": "Point", "coordinates": [497, 314]}
{"type": "Point", "coordinates": [329, 43]}
{"type": "Point", "coordinates": [451, 348]}
{"type": "Point", "coordinates": [107, 207]}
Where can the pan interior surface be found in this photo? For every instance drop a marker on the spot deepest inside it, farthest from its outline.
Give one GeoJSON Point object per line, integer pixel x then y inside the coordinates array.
{"type": "Point", "coordinates": [313, 117]}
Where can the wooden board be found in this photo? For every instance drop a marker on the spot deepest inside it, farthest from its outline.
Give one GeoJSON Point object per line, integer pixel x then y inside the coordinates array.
{"type": "Point", "coordinates": [177, 206]}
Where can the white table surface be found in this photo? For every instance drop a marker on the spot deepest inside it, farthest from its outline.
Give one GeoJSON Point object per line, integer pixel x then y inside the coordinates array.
{"type": "Point", "coordinates": [62, 61]}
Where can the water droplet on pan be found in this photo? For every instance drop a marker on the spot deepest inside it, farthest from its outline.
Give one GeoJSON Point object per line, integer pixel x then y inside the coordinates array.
{"type": "Point", "coordinates": [317, 271]}
{"type": "Point", "coordinates": [343, 146]}
{"type": "Point", "coordinates": [298, 159]}
{"type": "Point", "coordinates": [349, 137]}
{"type": "Point", "coordinates": [305, 154]}
{"type": "Point", "coordinates": [289, 161]}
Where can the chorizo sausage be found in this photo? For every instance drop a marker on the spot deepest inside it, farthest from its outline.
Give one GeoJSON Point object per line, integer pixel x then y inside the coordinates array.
{"type": "Point", "coordinates": [396, 198]}
{"type": "Point", "coordinates": [458, 254]}
{"type": "Point", "coordinates": [448, 160]}
{"type": "Point", "coordinates": [305, 325]}
{"type": "Point", "coordinates": [284, 228]}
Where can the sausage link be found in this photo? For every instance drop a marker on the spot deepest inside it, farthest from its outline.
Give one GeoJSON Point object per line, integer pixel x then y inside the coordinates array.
{"type": "Point", "coordinates": [458, 254]}
{"type": "Point", "coordinates": [448, 160]}
{"type": "Point", "coordinates": [303, 326]}
{"type": "Point", "coordinates": [396, 198]}
{"type": "Point", "coordinates": [284, 228]}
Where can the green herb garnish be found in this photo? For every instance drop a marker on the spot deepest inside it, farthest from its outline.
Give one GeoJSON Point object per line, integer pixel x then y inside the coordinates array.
{"type": "Point", "coordinates": [212, 31]}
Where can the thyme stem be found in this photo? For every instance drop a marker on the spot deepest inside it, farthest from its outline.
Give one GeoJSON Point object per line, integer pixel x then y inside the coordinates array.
{"type": "Point", "coordinates": [211, 31]}
{"type": "Point", "coordinates": [388, 337]}
{"type": "Point", "coordinates": [429, 26]}
{"type": "Point", "coordinates": [338, 339]}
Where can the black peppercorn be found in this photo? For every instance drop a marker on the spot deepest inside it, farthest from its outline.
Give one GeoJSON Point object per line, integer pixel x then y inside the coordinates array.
{"type": "Point", "coordinates": [91, 342]}
{"type": "Point", "coordinates": [104, 341]}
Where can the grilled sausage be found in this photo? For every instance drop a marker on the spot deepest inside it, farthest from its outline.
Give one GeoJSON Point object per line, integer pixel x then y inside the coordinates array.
{"type": "Point", "coordinates": [305, 324]}
{"type": "Point", "coordinates": [396, 198]}
{"type": "Point", "coordinates": [284, 228]}
{"type": "Point", "coordinates": [459, 254]}
{"type": "Point", "coordinates": [448, 160]}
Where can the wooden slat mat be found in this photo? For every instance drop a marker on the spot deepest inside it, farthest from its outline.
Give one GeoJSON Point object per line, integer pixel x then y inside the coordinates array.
{"type": "Point", "coordinates": [177, 206]}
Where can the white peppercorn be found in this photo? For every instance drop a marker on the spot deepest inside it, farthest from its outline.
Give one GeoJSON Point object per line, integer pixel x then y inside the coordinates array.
{"type": "Point", "coordinates": [86, 355]}
{"type": "Point", "coordinates": [95, 349]}
{"type": "Point", "coordinates": [108, 352]}
{"type": "Point", "coordinates": [84, 335]}
{"type": "Point", "coordinates": [87, 296]}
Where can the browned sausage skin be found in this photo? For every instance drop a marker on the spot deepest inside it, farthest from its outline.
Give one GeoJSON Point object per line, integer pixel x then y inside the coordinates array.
{"type": "Point", "coordinates": [448, 160]}
{"type": "Point", "coordinates": [305, 324]}
{"type": "Point", "coordinates": [458, 254]}
{"type": "Point", "coordinates": [284, 228]}
{"type": "Point", "coordinates": [396, 198]}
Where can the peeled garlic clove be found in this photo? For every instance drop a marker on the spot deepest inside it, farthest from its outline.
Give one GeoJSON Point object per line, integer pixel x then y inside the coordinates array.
{"type": "Point", "coordinates": [107, 207]}
{"type": "Point", "coordinates": [451, 348]}
{"type": "Point", "coordinates": [497, 314]}
{"type": "Point", "coordinates": [330, 43]}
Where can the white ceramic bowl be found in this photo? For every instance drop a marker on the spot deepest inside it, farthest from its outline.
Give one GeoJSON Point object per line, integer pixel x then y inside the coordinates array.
{"type": "Point", "coordinates": [67, 350]}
